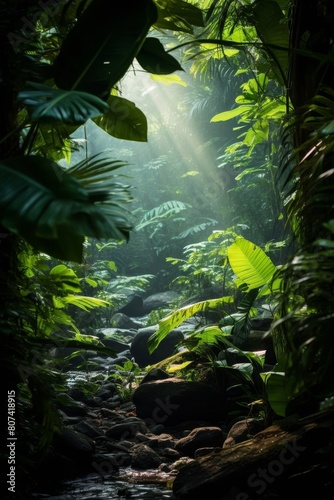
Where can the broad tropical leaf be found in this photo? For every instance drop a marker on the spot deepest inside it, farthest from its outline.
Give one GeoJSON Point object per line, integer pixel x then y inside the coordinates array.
{"type": "Point", "coordinates": [123, 120]}
{"type": "Point", "coordinates": [178, 15]}
{"type": "Point", "coordinates": [154, 59]}
{"type": "Point", "coordinates": [65, 278]}
{"type": "Point", "coordinates": [175, 319]}
{"type": "Point", "coordinates": [250, 263]}
{"type": "Point", "coordinates": [46, 104]}
{"type": "Point", "coordinates": [102, 44]}
{"type": "Point", "coordinates": [81, 301]}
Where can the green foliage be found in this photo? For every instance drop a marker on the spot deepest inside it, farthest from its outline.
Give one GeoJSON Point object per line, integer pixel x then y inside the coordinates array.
{"type": "Point", "coordinates": [249, 262]}
{"type": "Point", "coordinates": [253, 270]}
{"type": "Point", "coordinates": [166, 210]}
{"type": "Point", "coordinates": [167, 324]}
{"type": "Point", "coordinates": [125, 379]}
{"type": "Point", "coordinates": [153, 58]}
{"type": "Point", "coordinates": [123, 120]}
{"type": "Point", "coordinates": [91, 58]}
{"type": "Point", "coordinates": [54, 105]}
{"type": "Point", "coordinates": [54, 209]}
{"type": "Point", "coordinates": [178, 15]}
{"type": "Point", "coordinates": [256, 108]}
{"type": "Point", "coordinates": [204, 264]}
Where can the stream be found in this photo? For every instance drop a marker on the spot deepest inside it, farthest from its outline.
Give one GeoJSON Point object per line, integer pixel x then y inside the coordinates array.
{"type": "Point", "coordinates": [92, 487]}
{"type": "Point", "coordinates": [127, 483]}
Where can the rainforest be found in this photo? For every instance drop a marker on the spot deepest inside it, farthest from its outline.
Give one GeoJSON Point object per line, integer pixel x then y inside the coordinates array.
{"type": "Point", "coordinates": [166, 248]}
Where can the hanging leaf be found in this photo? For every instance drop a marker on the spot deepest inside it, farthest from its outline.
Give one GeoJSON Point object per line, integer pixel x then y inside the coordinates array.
{"type": "Point", "coordinates": [46, 104]}
{"type": "Point", "coordinates": [154, 59]}
{"type": "Point", "coordinates": [123, 120]}
{"type": "Point", "coordinates": [178, 15]}
{"type": "Point", "coordinates": [169, 80]}
{"type": "Point", "coordinates": [250, 263]}
{"type": "Point", "coordinates": [272, 28]}
{"type": "Point", "coordinates": [101, 46]}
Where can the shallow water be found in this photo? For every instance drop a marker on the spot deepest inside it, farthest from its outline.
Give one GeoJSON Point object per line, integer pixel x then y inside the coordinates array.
{"type": "Point", "coordinates": [92, 487]}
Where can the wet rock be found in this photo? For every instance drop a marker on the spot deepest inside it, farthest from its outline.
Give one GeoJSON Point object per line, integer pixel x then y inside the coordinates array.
{"type": "Point", "coordinates": [166, 348]}
{"type": "Point", "coordinates": [243, 430]}
{"type": "Point", "coordinates": [155, 374]}
{"type": "Point", "coordinates": [200, 438]}
{"type": "Point", "coordinates": [120, 320]}
{"type": "Point", "coordinates": [88, 429]}
{"type": "Point", "coordinates": [159, 300]}
{"type": "Point", "coordinates": [143, 457]}
{"type": "Point", "coordinates": [127, 429]}
{"type": "Point", "coordinates": [70, 406]}
{"type": "Point", "coordinates": [162, 441]}
{"type": "Point", "coordinates": [105, 393]}
{"type": "Point", "coordinates": [114, 334]}
{"type": "Point", "coordinates": [172, 401]}
{"type": "Point", "coordinates": [134, 308]}
{"type": "Point", "coordinates": [74, 448]}
{"type": "Point", "coordinates": [106, 464]}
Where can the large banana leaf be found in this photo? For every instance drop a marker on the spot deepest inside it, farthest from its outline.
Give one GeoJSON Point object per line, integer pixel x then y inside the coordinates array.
{"type": "Point", "coordinates": [46, 104]}
{"type": "Point", "coordinates": [53, 211]}
{"type": "Point", "coordinates": [250, 263]}
{"type": "Point", "coordinates": [101, 46]}
{"type": "Point", "coordinates": [175, 319]}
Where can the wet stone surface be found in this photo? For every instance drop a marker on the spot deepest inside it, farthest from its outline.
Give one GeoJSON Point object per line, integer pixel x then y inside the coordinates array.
{"type": "Point", "coordinates": [93, 488]}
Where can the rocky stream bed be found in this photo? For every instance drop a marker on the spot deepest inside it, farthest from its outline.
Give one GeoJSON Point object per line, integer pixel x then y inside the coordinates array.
{"type": "Point", "coordinates": [162, 437]}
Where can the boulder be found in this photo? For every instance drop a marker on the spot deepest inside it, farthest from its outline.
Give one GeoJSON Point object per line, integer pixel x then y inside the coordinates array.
{"type": "Point", "coordinates": [202, 437]}
{"type": "Point", "coordinates": [166, 348]}
{"type": "Point", "coordinates": [120, 320]}
{"type": "Point", "coordinates": [279, 462]}
{"type": "Point", "coordinates": [134, 308]}
{"type": "Point", "coordinates": [143, 457]}
{"type": "Point", "coordinates": [107, 336]}
{"type": "Point", "coordinates": [172, 401]}
{"type": "Point", "coordinates": [243, 430]}
{"type": "Point", "coordinates": [127, 429]}
{"type": "Point", "coordinates": [159, 301]}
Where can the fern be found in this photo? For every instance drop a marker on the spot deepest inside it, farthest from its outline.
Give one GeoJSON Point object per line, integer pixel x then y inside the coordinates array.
{"type": "Point", "coordinates": [164, 211]}
{"type": "Point", "coordinates": [196, 229]}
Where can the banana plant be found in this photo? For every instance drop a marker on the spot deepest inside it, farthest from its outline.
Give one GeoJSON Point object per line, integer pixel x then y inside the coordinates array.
{"type": "Point", "coordinates": [255, 275]}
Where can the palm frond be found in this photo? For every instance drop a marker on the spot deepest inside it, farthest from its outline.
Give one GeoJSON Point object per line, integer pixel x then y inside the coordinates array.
{"type": "Point", "coordinates": [165, 210]}
{"type": "Point", "coordinates": [53, 211]}
{"type": "Point", "coordinates": [176, 318]}
{"type": "Point", "coordinates": [46, 104]}
{"type": "Point", "coordinates": [196, 229]}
